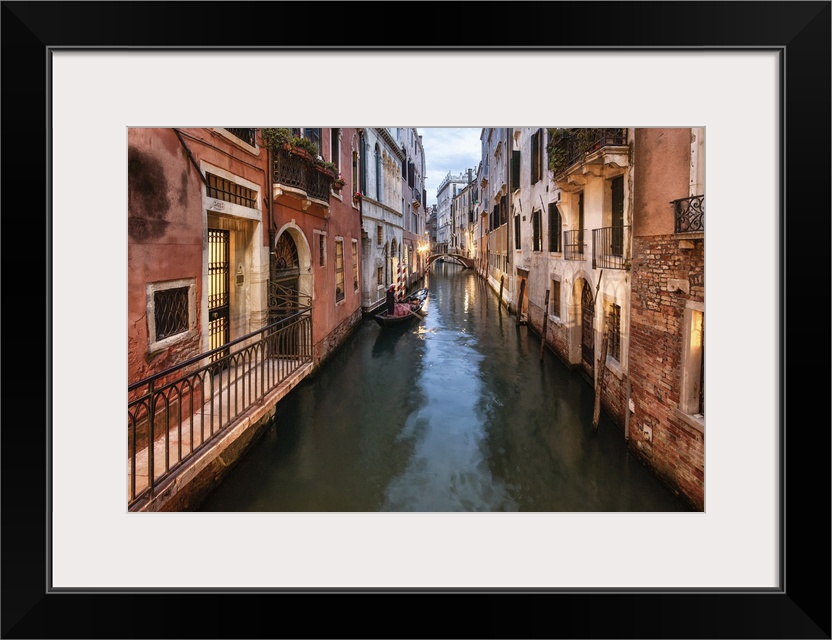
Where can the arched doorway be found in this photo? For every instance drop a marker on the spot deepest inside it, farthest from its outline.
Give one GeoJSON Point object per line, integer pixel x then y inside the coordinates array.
{"type": "Point", "coordinates": [587, 330]}
{"type": "Point", "coordinates": [284, 272]}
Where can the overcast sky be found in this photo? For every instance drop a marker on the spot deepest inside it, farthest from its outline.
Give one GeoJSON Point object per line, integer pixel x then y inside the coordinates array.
{"type": "Point", "coordinates": [448, 149]}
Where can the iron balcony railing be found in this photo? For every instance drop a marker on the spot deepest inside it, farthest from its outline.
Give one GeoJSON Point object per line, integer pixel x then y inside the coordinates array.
{"type": "Point", "coordinates": [246, 135]}
{"type": "Point", "coordinates": [580, 142]}
{"type": "Point", "coordinates": [573, 244]}
{"type": "Point", "coordinates": [610, 248]}
{"type": "Point", "coordinates": [689, 214]}
{"type": "Point", "coordinates": [297, 172]}
{"type": "Point", "coordinates": [177, 413]}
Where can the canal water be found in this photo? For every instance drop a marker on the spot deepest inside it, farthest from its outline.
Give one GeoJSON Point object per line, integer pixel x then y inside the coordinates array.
{"type": "Point", "coordinates": [454, 413]}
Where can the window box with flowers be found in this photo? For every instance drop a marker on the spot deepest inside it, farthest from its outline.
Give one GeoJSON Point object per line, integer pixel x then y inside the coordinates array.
{"type": "Point", "coordinates": [356, 197]}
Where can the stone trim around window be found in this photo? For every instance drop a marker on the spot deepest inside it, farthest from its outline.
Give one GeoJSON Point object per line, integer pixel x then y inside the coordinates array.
{"type": "Point", "coordinates": [153, 345]}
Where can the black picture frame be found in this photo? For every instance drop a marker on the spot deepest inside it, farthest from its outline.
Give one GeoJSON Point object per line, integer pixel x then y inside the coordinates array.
{"type": "Point", "coordinates": [800, 31]}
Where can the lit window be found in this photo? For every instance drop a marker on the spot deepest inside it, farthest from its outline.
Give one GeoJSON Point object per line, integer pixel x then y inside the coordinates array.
{"type": "Point", "coordinates": [339, 270]}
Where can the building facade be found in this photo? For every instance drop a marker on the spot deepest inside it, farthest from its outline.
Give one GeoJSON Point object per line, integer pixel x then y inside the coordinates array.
{"type": "Point", "coordinates": [414, 228]}
{"type": "Point", "coordinates": [244, 259]}
{"type": "Point", "coordinates": [667, 318]}
{"type": "Point", "coordinates": [380, 168]}
{"type": "Point", "coordinates": [595, 238]}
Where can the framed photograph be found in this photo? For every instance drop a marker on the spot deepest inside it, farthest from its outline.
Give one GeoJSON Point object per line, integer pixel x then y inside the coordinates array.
{"type": "Point", "coordinates": [755, 75]}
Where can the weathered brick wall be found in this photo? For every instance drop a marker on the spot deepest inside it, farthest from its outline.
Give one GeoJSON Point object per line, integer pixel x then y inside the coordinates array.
{"type": "Point", "coordinates": [676, 450]}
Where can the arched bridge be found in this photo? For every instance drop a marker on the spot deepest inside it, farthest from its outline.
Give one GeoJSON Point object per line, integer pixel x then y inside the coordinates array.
{"type": "Point", "coordinates": [468, 263]}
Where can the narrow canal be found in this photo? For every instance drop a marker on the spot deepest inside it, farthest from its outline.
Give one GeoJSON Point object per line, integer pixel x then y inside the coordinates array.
{"type": "Point", "coordinates": [453, 413]}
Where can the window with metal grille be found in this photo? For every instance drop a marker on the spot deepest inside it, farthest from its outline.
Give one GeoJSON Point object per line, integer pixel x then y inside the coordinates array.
{"type": "Point", "coordinates": [556, 298]}
{"type": "Point", "coordinates": [615, 332]}
{"type": "Point", "coordinates": [321, 249]}
{"type": "Point", "coordinates": [537, 231]}
{"type": "Point", "coordinates": [223, 189]}
{"type": "Point", "coordinates": [339, 270]}
{"type": "Point", "coordinates": [246, 135]}
{"type": "Point", "coordinates": [170, 311]}
{"type": "Point", "coordinates": [355, 265]}
{"type": "Point", "coordinates": [555, 227]}
{"type": "Point", "coordinates": [379, 234]}
{"type": "Point", "coordinates": [380, 276]}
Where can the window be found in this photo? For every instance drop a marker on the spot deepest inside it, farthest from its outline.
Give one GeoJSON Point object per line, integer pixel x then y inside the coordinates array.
{"type": "Point", "coordinates": [537, 231]}
{"type": "Point", "coordinates": [692, 400]}
{"type": "Point", "coordinates": [339, 270]}
{"type": "Point", "coordinates": [537, 150]}
{"type": "Point", "coordinates": [355, 265]}
{"type": "Point", "coordinates": [335, 147]}
{"type": "Point", "coordinates": [516, 232]}
{"type": "Point", "coordinates": [171, 313]}
{"type": "Point", "coordinates": [615, 332]}
{"type": "Point", "coordinates": [556, 298]}
{"type": "Point", "coordinates": [581, 219]}
{"type": "Point", "coordinates": [223, 189]}
{"type": "Point", "coordinates": [355, 185]}
{"type": "Point", "coordinates": [378, 174]}
{"type": "Point", "coordinates": [246, 135]}
{"type": "Point", "coordinates": [314, 135]}
{"type": "Point", "coordinates": [321, 250]}
{"type": "Point", "coordinates": [555, 227]}
{"type": "Point", "coordinates": [380, 276]}
{"type": "Point", "coordinates": [379, 234]}
{"type": "Point", "coordinates": [515, 170]}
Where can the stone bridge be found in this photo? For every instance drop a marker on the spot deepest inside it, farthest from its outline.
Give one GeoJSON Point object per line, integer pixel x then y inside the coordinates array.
{"type": "Point", "coordinates": [457, 258]}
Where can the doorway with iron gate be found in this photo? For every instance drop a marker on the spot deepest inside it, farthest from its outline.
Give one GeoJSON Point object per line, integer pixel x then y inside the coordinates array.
{"type": "Point", "coordinates": [587, 331]}
{"type": "Point", "coordinates": [219, 291]}
{"type": "Point", "coordinates": [287, 294]}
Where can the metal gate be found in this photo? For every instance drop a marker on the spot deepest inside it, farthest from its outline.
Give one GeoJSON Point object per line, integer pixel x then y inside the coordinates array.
{"type": "Point", "coordinates": [587, 329]}
{"type": "Point", "coordinates": [284, 295]}
{"type": "Point", "coordinates": [218, 291]}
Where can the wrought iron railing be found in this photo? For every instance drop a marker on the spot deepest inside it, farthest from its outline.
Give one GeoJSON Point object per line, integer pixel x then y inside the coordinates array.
{"type": "Point", "coordinates": [577, 143]}
{"type": "Point", "coordinates": [246, 135]}
{"type": "Point", "coordinates": [611, 248]}
{"type": "Point", "coordinates": [175, 414]}
{"type": "Point", "coordinates": [297, 172]}
{"type": "Point", "coordinates": [573, 244]}
{"type": "Point", "coordinates": [689, 214]}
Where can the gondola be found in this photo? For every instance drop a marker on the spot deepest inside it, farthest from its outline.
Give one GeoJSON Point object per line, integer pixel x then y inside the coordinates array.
{"type": "Point", "coordinates": [415, 313]}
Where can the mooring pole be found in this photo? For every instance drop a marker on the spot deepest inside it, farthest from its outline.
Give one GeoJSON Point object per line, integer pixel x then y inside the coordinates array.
{"type": "Point", "coordinates": [502, 280]}
{"type": "Point", "coordinates": [520, 300]}
{"type": "Point", "coordinates": [599, 385]}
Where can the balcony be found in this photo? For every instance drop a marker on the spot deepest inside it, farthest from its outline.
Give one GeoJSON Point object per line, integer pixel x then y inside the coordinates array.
{"type": "Point", "coordinates": [295, 173]}
{"type": "Point", "coordinates": [610, 248]}
{"type": "Point", "coordinates": [417, 198]}
{"type": "Point", "coordinates": [580, 151]}
{"type": "Point", "coordinates": [689, 214]}
{"type": "Point", "coordinates": [573, 244]}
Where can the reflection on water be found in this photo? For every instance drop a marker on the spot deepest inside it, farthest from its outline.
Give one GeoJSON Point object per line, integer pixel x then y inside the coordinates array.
{"type": "Point", "coordinates": [454, 413]}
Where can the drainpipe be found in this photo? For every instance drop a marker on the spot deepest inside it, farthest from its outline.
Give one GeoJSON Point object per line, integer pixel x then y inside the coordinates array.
{"type": "Point", "coordinates": [191, 157]}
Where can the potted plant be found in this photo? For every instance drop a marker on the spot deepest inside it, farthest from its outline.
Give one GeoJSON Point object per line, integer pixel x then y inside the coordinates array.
{"type": "Point", "coordinates": [356, 197]}
{"type": "Point", "coordinates": [277, 138]}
